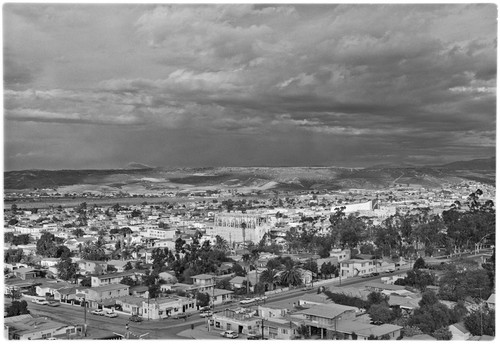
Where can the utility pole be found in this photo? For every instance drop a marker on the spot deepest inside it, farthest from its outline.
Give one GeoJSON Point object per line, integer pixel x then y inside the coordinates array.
{"type": "Point", "coordinates": [262, 328]}
{"type": "Point", "coordinates": [84, 317]}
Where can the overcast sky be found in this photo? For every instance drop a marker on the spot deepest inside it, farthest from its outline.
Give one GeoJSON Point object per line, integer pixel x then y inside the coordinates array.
{"type": "Point", "coordinates": [100, 86]}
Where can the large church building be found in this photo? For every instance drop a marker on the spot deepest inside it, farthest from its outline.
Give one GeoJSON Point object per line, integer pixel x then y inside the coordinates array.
{"type": "Point", "coordinates": [229, 227]}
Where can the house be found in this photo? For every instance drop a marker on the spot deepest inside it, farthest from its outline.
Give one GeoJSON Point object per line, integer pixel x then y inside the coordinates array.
{"type": "Point", "coordinates": [240, 320]}
{"type": "Point", "coordinates": [491, 301]}
{"type": "Point", "coordinates": [164, 307]}
{"type": "Point", "coordinates": [387, 289]}
{"type": "Point", "coordinates": [26, 273]}
{"type": "Point", "coordinates": [48, 289]}
{"type": "Point", "coordinates": [221, 296]}
{"type": "Point", "coordinates": [66, 295]}
{"type": "Point", "coordinates": [203, 280]}
{"type": "Point", "coordinates": [139, 291]}
{"type": "Point", "coordinates": [49, 262]}
{"type": "Point", "coordinates": [131, 304]}
{"type": "Point", "coordinates": [96, 295]}
{"type": "Point", "coordinates": [238, 282]}
{"type": "Point", "coordinates": [362, 331]}
{"type": "Point", "coordinates": [113, 278]}
{"type": "Point", "coordinates": [459, 332]}
{"type": "Point", "coordinates": [280, 328]}
{"type": "Point", "coordinates": [88, 267]}
{"type": "Point", "coordinates": [405, 303]}
{"type": "Point", "coordinates": [25, 327]}
{"type": "Point", "coordinates": [357, 267]}
{"type": "Point", "coordinates": [322, 319]}
{"type": "Point", "coordinates": [119, 265]}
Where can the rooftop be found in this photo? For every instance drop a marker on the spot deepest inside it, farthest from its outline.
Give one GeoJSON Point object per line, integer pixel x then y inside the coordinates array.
{"type": "Point", "coordinates": [329, 311]}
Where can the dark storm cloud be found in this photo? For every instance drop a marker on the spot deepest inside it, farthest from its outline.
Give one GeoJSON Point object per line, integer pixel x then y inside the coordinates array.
{"type": "Point", "coordinates": [333, 83]}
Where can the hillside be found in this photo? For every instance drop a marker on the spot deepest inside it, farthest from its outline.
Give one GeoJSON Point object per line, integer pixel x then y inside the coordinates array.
{"type": "Point", "coordinates": [145, 180]}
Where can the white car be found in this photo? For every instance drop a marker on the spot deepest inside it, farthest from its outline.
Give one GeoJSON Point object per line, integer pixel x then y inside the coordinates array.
{"type": "Point", "coordinates": [111, 315]}
{"type": "Point", "coordinates": [247, 301]}
{"type": "Point", "coordinates": [42, 302]}
{"type": "Point", "coordinates": [229, 334]}
{"type": "Point", "coordinates": [206, 314]}
{"type": "Point", "coordinates": [97, 312]}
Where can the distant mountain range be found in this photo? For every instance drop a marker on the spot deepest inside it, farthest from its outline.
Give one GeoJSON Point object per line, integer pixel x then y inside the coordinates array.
{"type": "Point", "coordinates": [142, 178]}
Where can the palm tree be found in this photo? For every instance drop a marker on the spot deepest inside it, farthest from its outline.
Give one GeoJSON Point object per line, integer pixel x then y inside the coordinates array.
{"type": "Point", "coordinates": [221, 243]}
{"type": "Point", "coordinates": [243, 230]}
{"type": "Point", "coordinates": [291, 276]}
{"type": "Point", "coordinates": [269, 277]}
{"type": "Point", "coordinates": [247, 258]}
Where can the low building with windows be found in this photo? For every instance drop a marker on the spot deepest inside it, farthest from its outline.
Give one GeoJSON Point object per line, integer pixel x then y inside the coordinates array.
{"type": "Point", "coordinates": [356, 267]}
{"type": "Point", "coordinates": [165, 307]}
{"type": "Point", "coordinates": [114, 278]}
{"type": "Point", "coordinates": [240, 320]}
{"type": "Point", "coordinates": [96, 295]}
{"type": "Point", "coordinates": [25, 327]}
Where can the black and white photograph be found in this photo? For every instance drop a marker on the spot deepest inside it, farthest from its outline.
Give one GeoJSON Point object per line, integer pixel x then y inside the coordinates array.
{"type": "Point", "coordinates": [249, 171]}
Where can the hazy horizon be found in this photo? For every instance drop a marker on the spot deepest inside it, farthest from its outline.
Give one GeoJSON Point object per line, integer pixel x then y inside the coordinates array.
{"type": "Point", "coordinates": [97, 86]}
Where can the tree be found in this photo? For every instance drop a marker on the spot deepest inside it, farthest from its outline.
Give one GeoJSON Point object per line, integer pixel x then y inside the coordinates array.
{"type": "Point", "coordinates": [63, 252]}
{"type": "Point", "coordinates": [442, 333]}
{"type": "Point", "coordinates": [127, 280]}
{"type": "Point", "coordinates": [430, 317]}
{"type": "Point", "coordinates": [78, 232]}
{"type": "Point", "coordinates": [481, 322]}
{"type": "Point", "coordinates": [376, 298]}
{"type": "Point", "coordinates": [46, 245]}
{"type": "Point", "coordinates": [419, 264]}
{"type": "Point", "coordinates": [128, 266]}
{"type": "Point", "coordinates": [17, 308]}
{"type": "Point", "coordinates": [456, 285]}
{"type": "Point", "coordinates": [380, 312]}
{"type": "Point", "coordinates": [13, 255]}
{"type": "Point", "coordinates": [312, 266]}
{"type": "Point", "coordinates": [86, 282]}
{"type": "Point", "coordinates": [291, 276]}
{"type": "Point", "coordinates": [202, 299]}
{"type": "Point", "coordinates": [223, 284]}
{"type": "Point", "coordinates": [410, 331]}
{"type": "Point", "coordinates": [66, 269]}
{"type": "Point", "coordinates": [269, 278]}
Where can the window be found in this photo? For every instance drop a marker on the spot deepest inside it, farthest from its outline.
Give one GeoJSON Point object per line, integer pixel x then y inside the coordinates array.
{"type": "Point", "coordinates": [228, 326]}
{"type": "Point", "coordinates": [284, 331]}
{"type": "Point", "coordinates": [217, 324]}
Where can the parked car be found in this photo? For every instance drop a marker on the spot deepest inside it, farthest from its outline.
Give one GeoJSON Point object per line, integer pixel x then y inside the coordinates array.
{"type": "Point", "coordinates": [255, 337]}
{"type": "Point", "coordinates": [375, 273]}
{"type": "Point", "coordinates": [135, 318]}
{"type": "Point", "coordinates": [204, 309]}
{"type": "Point", "coordinates": [260, 298]}
{"type": "Point", "coordinates": [229, 334]}
{"type": "Point", "coordinates": [366, 276]}
{"type": "Point", "coordinates": [247, 301]}
{"type": "Point", "coordinates": [206, 314]}
{"type": "Point", "coordinates": [54, 304]}
{"type": "Point", "coordinates": [41, 302]}
{"type": "Point", "coordinates": [111, 315]}
{"type": "Point", "coordinates": [97, 312]}
{"type": "Point", "coordinates": [180, 316]}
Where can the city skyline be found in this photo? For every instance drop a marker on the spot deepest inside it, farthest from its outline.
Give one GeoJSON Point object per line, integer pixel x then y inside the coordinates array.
{"type": "Point", "coordinates": [101, 86]}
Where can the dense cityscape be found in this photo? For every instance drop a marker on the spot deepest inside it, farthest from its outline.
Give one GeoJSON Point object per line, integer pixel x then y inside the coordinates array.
{"type": "Point", "coordinates": [408, 262]}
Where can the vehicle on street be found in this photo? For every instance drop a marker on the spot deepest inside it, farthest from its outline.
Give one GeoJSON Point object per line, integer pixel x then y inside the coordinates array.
{"type": "Point", "coordinates": [229, 334]}
{"type": "Point", "coordinates": [247, 301]}
{"type": "Point", "coordinates": [111, 315]}
{"type": "Point", "coordinates": [365, 276]}
{"type": "Point", "coordinates": [135, 318]}
{"type": "Point", "coordinates": [375, 273]}
{"type": "Point", "coordinates": [180, 316]}
{"type": "Point", "coordinates": [97, 312]}
{"type": "Point", "coordinates": [255, 337]}
{"type": "Point", "coordinates": [41, 302]}
{"type": "Point", "coordinates": [206, 314]}
{"type": "Point", "coordinates": [54, 304]}
{"type": "Point", "coordinates": [204, 309]}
